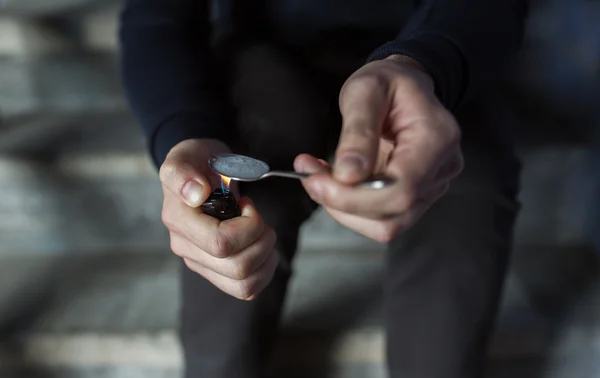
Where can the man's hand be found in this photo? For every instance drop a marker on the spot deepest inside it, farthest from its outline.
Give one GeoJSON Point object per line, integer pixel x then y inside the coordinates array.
{"type": "Point", "coordinates": [394, 125]}
{"type": "Point", "coordinates": [236, 255]}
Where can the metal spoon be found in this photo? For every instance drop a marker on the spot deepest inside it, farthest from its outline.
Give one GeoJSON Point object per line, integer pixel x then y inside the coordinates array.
{"type": "Point", "coordinates": [244, 168]}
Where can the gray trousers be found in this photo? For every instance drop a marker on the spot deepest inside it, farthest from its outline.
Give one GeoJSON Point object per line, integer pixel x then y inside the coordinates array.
{"type": "Point", "coordinates": [443, 278]}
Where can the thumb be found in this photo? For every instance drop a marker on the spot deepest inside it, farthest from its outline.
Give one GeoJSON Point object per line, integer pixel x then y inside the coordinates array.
{"type": "Point", "coordinates": [179, 175]}
{"type": "Point", "coordinates": [364, 105]}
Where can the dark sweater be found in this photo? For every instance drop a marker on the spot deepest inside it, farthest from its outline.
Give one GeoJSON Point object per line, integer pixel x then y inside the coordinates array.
{"type": "Point", "coordinates": [168, 71]}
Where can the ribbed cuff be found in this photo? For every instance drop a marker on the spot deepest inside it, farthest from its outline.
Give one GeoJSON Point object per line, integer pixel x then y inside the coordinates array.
{"type": "Point", "coordinates": [184, 127]}
{"type": "Point", "coordinates": [440, 57]}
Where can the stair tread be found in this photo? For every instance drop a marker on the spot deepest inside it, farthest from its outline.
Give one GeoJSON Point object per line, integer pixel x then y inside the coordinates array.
{"type": "Point", "coordinates": [129, 293]}
{"type": "Point", "coordinates": [117, 313]}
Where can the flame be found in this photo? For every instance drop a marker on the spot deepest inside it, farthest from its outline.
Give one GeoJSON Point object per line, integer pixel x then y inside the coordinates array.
{"type": "Point", "coordinates": [225, 183]}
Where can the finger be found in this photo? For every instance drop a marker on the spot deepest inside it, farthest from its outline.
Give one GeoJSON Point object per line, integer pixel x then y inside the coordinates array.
{"type": "Point", "coordinates": [232, 235]}
{"type": "Point", "coordinates": [180, 246]}
{"type": "Point", "coordinates": [247, 289]}
{"type": "Point", "coordinates": [375, 204]}
{"type": "Point", "coordinates": [305, 163]}
{"type": "Point", "coordinates": [382, 231]}
{"type": "Point", "coordinates": [364, 104]}
{"type": "Point", "coordinates": [242, 265]}
{"type": "Point", "coordinates": [219, 239]}
{"type": "Point", "coordinates": [237, 267]}
{"type": "Point", "coordinates": [386, 147]}
{"type": "Point", "coordinates": [181, 178]}
{"type": "Point", "coordinates": [371, 203]}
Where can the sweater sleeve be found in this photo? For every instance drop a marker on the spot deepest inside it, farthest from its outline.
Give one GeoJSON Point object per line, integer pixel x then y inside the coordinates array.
{"type": "Point", "coordinates": [169, 78]}
{"type": "Point", "coordinates": [465, 45]}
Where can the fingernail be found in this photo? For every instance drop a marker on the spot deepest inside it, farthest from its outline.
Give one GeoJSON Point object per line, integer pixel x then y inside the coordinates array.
{"type": "Point", "coordinates": [350, 164]}
{"type": "Point", "coordinates": [192, 192]}
{"type": "Point", "coordinates": [300, 167]}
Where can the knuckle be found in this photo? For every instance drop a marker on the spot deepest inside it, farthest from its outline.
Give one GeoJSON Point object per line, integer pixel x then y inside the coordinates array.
{"type": "Point", "coordinates": [359, 127]}
{"type": "Point", "coordinates": [168, 170]}
{"type": "Point", "coordinates": [246, 290]}
{"type": "Point", "coordinates": [452, 133]}
{"type": "Point", "coordinates": [189, 264]}
{"type": "Point", "coordinates": [255, 226]}
{"type": "Point", "coordinates": [175, 248]}
{"type": "Point", "coordinates": [166, 217]}
{"type": "Point", "coordinates": [381, 238]}
{"type": "Point", "coordinates": [240, 271]}
{"type": "Point", "coordinates": [388, 233]}
{"type": "Point", "coordinates": [413, 86]}
{"type": "Point", "coordinates": [222, 246]}
{"type": "Point", "coordinates": [455, 133]}
{"type": "Point", "coordinates": [444, 189]}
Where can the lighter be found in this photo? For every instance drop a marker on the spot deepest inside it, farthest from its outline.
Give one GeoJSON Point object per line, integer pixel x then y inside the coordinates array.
{"type": "Point", "coordinates": [222, 204]}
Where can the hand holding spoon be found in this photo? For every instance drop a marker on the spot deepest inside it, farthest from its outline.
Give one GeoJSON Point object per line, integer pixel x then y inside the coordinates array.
{"type": "Point", "coordinates": [244, 168]}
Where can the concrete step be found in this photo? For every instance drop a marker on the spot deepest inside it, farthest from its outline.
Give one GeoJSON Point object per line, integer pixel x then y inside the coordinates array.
{"type": "Point", "coordinates": [27, 9]}
{"type": "Point", "coordinates": [88, 316]}
{"type": "Point", "coordinates": [88, 26]}
{"type": "Point", "coordinates": [91, 186]}
{"type": "Point", "coordinates": [101, 200]}
{"type": "Point", "coordinates": [62, 81]}
{"type": "Point", "coordinates": [115, 316]}
{"type": "Point", "coordinates": [21, 38]}
{"type": "Point", "coordinates": [99, 29]}
{"type": "Point", "coordinates": [84, 133]}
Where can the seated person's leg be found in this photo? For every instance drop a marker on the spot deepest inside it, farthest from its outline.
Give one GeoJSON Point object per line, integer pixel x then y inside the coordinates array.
{"type": "Point", "coordinates": [594, 210]}
{"type": "Point", "coordinates": [444, 276]}
{"type": "Point", "coordinates": [280, 113]}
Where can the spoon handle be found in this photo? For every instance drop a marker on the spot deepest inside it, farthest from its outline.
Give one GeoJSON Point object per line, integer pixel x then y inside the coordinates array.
{"type": "Point", "coordinates": [374, 183]}
{"type": "Point", "coordinates": [288, 174]}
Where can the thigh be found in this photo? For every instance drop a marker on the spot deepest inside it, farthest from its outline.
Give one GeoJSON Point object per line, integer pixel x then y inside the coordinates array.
{"type": "Point", "coordinates": [444, 276]}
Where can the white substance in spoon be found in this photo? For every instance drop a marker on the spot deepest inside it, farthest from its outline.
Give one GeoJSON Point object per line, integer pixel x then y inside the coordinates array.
{"type": "Point", "coordinates": [239, 166]}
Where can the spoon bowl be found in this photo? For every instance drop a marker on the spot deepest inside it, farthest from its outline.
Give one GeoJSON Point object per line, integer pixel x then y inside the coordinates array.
{"type": "Point", "coordinates": [247, 169]}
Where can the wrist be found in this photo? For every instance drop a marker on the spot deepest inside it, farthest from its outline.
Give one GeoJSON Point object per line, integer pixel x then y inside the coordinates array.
{"type": "Point", "coordinates": [407, 60]}
{"type": "Point", "coordinates": [415, 67]}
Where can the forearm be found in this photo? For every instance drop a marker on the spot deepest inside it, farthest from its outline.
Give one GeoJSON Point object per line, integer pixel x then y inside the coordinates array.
{"type": "Point", "coordinates": [168, 75]}
{"type": "Point", "coordinates": [464, 45]}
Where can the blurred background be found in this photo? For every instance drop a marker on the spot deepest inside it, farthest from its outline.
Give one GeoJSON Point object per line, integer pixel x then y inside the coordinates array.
{"type": "Point", "coordinates": [88, 287]}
